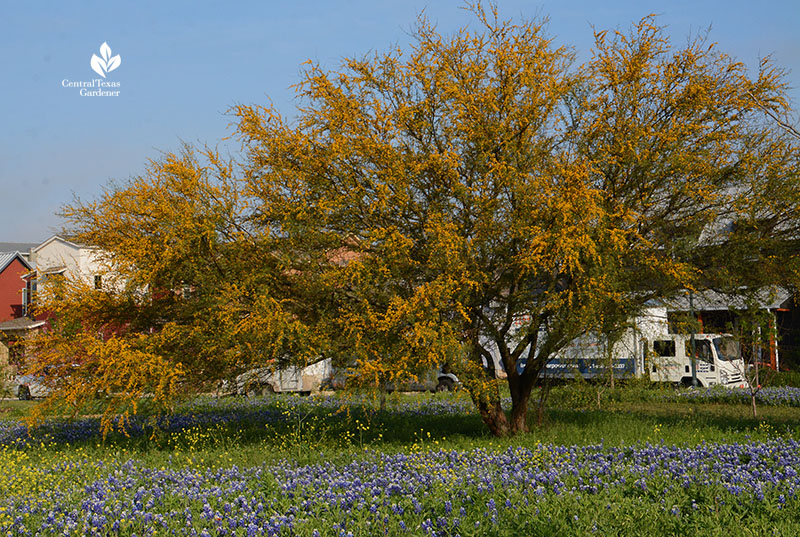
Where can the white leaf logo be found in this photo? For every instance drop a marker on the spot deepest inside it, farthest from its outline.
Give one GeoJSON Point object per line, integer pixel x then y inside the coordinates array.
{"type": "Point", "coordinates": [105, 51]}
{"type": "Point", "coordinates": [106, 63]}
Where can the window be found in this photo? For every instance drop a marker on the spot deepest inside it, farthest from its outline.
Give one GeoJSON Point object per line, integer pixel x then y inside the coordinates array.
{"type": "Point", "coordinates": [28, 296]}
{"type": "Point", "coordinates": [664, 347]}
{"type": "Point", "coordinates": [727, 348]}
{"type": "Point", "coordinates": [702, 350]}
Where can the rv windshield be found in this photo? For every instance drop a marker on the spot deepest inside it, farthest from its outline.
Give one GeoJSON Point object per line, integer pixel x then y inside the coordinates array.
{"type": "Point", "coordinates": [727, 348]}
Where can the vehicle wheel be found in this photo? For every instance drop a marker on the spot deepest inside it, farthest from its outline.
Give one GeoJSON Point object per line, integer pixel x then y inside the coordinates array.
{"type": "Point", "coordinates": [445, 385]}
{"type": "Point", "coordinates": [253, 390]}
{"type": "Point", "coordinates": [24, 393]}
{"type": "Point", "coordinates": [258, 389]}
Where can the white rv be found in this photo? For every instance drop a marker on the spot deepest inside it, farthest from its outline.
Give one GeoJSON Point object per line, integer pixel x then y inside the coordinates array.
{"type": "Point", "coordinates": [647, 349]}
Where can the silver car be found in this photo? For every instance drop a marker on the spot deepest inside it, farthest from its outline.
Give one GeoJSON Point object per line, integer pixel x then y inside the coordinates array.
{"type": "Point", "coordinates": [28, 387]}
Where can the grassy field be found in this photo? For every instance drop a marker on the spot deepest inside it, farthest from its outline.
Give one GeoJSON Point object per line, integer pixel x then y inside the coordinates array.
{"type": "Point", "coordinates": [635, 462]}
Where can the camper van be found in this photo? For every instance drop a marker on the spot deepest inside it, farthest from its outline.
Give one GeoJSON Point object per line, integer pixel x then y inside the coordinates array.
{"type": "Point", "coordinates": [664, 358]}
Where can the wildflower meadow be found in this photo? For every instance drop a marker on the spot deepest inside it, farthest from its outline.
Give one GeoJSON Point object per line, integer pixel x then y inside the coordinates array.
{"type": "Point", "coordinates": [660, 464]}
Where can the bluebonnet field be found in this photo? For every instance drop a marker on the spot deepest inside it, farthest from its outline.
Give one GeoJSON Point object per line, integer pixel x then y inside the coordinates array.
{"type": "Point", "coordinates": [769, 395]}
{"type": "Point", "coordinates": [58, 480]}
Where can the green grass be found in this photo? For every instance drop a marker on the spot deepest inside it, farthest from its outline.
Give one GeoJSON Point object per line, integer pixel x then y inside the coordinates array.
{"type": "Point", "coordinates": [627, 418]}
{"type": "Point", "coordinates": [11, 409]}
{"type": "Point", "coordinates": [307, 433]}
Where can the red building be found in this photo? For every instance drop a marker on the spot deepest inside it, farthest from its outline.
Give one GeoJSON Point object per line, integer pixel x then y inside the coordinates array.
{"type": "Point", "coordinates": [14, 296]}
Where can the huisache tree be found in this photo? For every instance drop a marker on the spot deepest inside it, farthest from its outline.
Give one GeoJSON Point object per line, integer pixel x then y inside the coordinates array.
{"type": "Point", "coordinates": [475, 195]}
{"type": "Point", "coordinates": [497, 199]}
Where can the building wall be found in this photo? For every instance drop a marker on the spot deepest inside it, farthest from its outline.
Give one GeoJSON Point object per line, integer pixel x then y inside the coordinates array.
{"type": "Point", "coordinates": [78, 262]}
{"type": "Point", "coordinates": [7, 369]}
{"type": "Point", "coordinates": [4, 356]}
{"type": "Point", "coordinates": [57, 254]}
{"type": "Point", "coordinates": [90, 266]}
{"type": "Point", "coordinates": [7, 373]}
{"type": "Point", "coordinates": [11, 285]}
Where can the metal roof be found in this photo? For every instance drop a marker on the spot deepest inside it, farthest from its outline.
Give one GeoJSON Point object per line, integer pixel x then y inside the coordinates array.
{"type": "Point", "coordinates": [22, 247]}
{"type": "Point", "coordinates": [7, 258]}
{"type": "Point", "coordinates": [767, 298]}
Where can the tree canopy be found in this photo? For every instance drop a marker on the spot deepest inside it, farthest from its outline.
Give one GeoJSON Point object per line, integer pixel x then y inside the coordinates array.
{"type": "Point", "coordinates": [474, 192]}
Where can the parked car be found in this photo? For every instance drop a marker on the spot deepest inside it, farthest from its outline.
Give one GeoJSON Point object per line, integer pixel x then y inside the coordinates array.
{"type": "Point", "coordinates": [27, 387]}
{"type": "Point", "coordinates": [438, 379]}
{"type": "Point", "coordinates": [447, 382]}
{"type": "Point", "coordinates": [264, 380]}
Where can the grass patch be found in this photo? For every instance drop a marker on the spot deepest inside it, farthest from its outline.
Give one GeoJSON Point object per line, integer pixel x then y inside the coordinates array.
{"type": "Point", "coordinates": [643, 463]}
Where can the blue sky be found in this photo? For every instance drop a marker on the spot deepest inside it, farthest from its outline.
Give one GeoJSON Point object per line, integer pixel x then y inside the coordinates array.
{"type": "Point", "coordinates": [184, 64]}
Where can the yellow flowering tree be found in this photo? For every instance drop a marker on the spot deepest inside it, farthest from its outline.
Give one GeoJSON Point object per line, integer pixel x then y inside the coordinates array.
{"type": "Point", "coordinates": [476, 195]}
{"type": "Point", "coordinates": [499, 200]}
{"type": "Point", "coordinates": [184, 303]}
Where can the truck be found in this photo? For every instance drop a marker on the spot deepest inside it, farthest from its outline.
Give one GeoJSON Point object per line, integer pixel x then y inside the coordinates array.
{"type": "Point", "coordinates": [661, 358]}
{"type": "Point", "coordinates": [718, 359]}
{"type": "Point", "coordinates": [647, 349]}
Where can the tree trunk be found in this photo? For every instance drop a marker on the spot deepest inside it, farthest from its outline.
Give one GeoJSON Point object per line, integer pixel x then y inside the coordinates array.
{"type": "Point", "coordinates": [610, 355]}
{"type": "Point", "coordinates": [486, 397]}
{"type": "Point", "coordinates": [519, 416]}
{"type": "Point", "coordinates": [520, 394]}
{"type": "Point", "coordinates": [493, 416]}
{"type": "Point", "coordinates": [753, 402]}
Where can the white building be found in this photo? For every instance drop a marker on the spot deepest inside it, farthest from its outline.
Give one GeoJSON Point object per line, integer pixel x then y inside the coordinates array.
{"type": "Point", "coordinates": [58, 256]}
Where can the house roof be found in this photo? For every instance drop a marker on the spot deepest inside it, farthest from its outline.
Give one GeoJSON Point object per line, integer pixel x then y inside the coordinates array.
{"type": "Point", "coordinates": [22, 323]}
{"type": "Point", "coordinates": [22, 247]}
{"type": "Point", "coordinates": [7, 258]}
{"type": "Point", "coordinates": [767, 298]}
{"type": "Point", "coordinates": [61, 269]}
{"type": "Point", "coordinates": [58, 238]}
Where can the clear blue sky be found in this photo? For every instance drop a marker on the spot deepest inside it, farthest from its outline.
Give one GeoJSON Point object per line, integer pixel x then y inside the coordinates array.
{"type": "Point", "coordinates": [184, 63]}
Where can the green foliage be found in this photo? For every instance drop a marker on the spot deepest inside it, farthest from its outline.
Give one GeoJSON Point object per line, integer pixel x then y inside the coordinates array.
{"type": "Point", "coordinates": [785, 378]}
